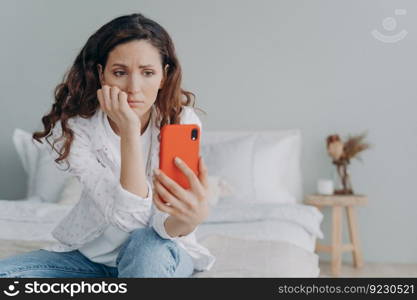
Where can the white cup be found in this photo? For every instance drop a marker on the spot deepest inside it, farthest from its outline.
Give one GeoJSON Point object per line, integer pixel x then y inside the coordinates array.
{"type": "Point", "coordinates": [325, 187]}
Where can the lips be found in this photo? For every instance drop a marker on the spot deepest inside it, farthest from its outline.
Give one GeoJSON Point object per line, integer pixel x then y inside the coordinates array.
{"type": "Point", "coordinates": [134, 101]}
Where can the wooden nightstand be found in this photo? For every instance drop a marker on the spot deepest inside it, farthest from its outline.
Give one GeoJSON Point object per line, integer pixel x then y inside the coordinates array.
{"type": "Point", "coordinates": [337, 202]}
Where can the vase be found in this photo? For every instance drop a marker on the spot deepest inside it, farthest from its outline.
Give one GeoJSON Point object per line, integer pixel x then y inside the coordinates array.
{"type": "Point", "coordinates": [342, 181]}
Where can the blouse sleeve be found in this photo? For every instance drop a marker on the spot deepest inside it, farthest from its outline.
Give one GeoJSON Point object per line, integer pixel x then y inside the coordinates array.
{"type": "Point", "coordinates": [158, 217]}
{"type": "Point", "coordinates": [119, 207]}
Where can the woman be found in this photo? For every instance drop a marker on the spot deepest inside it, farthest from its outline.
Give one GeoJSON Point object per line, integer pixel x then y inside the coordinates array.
{"type": "Point", "coordinates": [123, 87]}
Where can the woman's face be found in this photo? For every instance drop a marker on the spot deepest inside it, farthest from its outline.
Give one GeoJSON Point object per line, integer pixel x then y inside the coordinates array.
{"type": "Point", "coordinates": [135, 68]}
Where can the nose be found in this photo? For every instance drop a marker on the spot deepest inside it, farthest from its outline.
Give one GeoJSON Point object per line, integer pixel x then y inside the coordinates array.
{"type": "Point", "coordinates": [134, 84]}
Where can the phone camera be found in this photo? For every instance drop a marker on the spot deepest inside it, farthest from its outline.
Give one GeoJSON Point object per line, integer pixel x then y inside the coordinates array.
{"type": "Point", "coordinates": [194, 134]}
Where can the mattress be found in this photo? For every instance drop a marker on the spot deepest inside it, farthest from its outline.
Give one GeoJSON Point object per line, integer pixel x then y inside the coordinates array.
{"type": "Point", "coordinates": [268, 230]}
{"type": "Point", "coordinates": [241, 257]}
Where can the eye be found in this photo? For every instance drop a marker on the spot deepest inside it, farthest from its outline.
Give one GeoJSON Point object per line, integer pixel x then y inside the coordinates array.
{"type": "Point", "coordinates": [117, 72]}
{"type": "Point", "coordinates": [148, 73]}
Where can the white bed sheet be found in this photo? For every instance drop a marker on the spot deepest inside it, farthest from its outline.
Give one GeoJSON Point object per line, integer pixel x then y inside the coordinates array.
{"type": "Point", "coordinates": [30, 220]}
{"type": "Point", "coordinates": [271, 230]}
{"type": "Point", "coordinates": [296, 224]}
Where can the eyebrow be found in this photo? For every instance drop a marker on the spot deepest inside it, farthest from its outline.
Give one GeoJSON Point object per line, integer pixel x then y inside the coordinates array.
{"type": "Point", "coordinates": [140, 67]}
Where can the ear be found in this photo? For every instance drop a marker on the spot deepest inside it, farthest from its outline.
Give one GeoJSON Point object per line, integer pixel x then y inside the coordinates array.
{"type": "Point", "coordinates": [165, 76]}
{"type": "Point", "coordinates": [100, 73]}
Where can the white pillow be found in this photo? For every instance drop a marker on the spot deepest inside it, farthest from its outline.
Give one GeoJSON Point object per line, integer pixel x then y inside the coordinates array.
{"type": "Point", "coordinates": [28, 154]}
{"type": "Point", "coordinates": [276, 162]}
{"type": "Point", "coordinates": [49, 179]}
{"type": "Point", "coordinates": [232, 160]}
{"type": "Point", "coordinates": [277, 171]}
{"type": "Point", "coordinates": [45, 179]}
{"type": "Point", "coordinates": [71, 191]}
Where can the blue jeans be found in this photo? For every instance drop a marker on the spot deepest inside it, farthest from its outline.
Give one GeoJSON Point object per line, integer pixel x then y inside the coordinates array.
{"type": "Point", "coordinates": [144, 254]}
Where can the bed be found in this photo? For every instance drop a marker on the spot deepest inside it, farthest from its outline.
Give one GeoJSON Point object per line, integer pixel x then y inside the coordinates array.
{"type": "Point", "coordinates": [257, 227]}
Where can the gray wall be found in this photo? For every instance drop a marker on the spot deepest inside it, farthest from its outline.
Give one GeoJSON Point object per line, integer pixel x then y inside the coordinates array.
{"type": "Point", "coordinates": [312, 65]}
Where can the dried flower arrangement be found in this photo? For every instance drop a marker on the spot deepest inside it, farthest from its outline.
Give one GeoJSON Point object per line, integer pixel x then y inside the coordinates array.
{"type": "Point", "coordinates": [341, 153]}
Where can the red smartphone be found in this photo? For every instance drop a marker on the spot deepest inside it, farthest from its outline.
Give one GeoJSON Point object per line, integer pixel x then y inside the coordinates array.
{"type": "Point", "coordinates": [182, 140]}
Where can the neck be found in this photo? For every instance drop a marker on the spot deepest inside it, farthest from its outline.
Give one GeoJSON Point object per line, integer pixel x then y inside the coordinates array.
{"type": "Point", "coordinates": [144, 121]}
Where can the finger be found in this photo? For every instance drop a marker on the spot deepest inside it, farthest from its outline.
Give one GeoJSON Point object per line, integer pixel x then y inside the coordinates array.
{"type": "Point", "coordinates": [114, 93]}
{"type": "Point", "coordinates": [123, 101]}
{"type": "Point", "coordinates": [177, 190]}
{"type": "Point", "coordinates": [162, 206]}
{"type": "Point", "coordinates": [100, 99]}
{"type": "Point", "coordinates": [192, 178]}
{"type": "Point", "coordinates": [159, 203]}
{"type": "Point", "coordinates": [106, 97]}
{"type": "Point", "coordinates": [169, 198]}
{"type": "Point", "coordinates": [174, 188]}
{"type": "Point", "coordinates": [203, 173]}
{"type": "Point", "coordinates": [154, 180]}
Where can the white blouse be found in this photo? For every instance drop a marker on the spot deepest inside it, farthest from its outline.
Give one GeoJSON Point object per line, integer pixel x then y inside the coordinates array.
{"type": "Point", "coordinates": [96, 162]}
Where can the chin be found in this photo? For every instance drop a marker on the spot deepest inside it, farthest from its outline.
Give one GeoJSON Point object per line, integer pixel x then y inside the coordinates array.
{"type": "Point", "coordinates": [141, 111]}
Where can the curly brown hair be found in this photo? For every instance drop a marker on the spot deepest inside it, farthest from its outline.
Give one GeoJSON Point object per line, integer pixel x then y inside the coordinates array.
{"type": "Point", "coordinates": [77, 94]}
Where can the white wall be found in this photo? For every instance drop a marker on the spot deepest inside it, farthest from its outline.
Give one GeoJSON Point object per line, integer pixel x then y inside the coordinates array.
{"type": "Point", "coordinates": [312, 65]}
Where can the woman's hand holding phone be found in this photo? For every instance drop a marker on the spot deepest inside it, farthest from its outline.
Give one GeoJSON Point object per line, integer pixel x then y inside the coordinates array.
{"type": "Point", "coordinates": [188, 206]}
{"type": "Point", "coordinates": [113, 102]}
